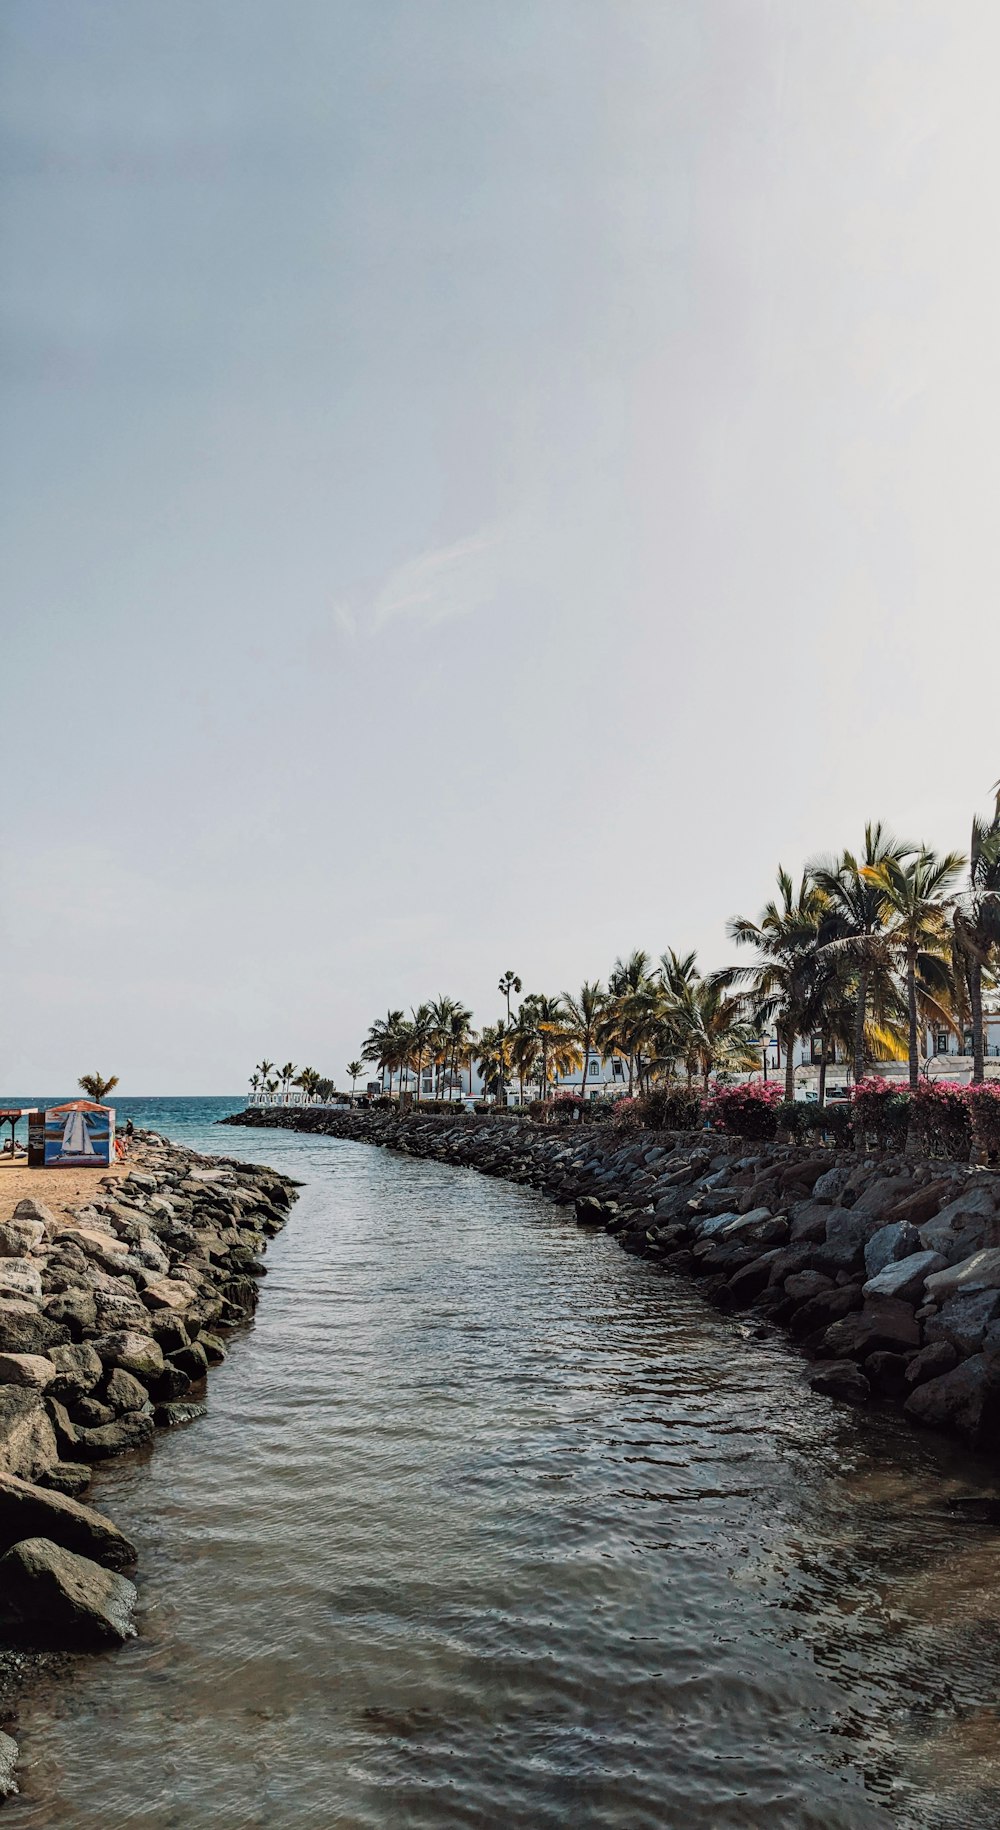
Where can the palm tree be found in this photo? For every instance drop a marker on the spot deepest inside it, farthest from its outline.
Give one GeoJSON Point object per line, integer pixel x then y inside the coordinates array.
{"type": "Point", "coordinates": [524, 1051]}
{"type": "Point", "coordinates": [977, 924]}
{"type": "Point", "coordinates": [265, 1069]}
{"type": "Point", "coordinates": [916, 897]}
{"type": "Point", "coordinates": [630, 1012]}
{"type": "Point", "coordinates": [355, 1069]}
{"type": "Point", "coordinates": [422, 1031]}
{"type": "Point", "coordinates": [787, 939]}
{"type": "Point", "coordinates": [96, 1087]}
{"type": "Point", "coordinates": [547, 1019]}
{"type": "Point", "coordinates": [287, 1073]}
{"type": "Point", "coordinates": [493, 1056]}
{"type": "Point", "coordinates": [308, 1079]}
{"type": "Point", "coordinates": [703, 1024]}
{"type": "Point", "coordinates": [254, 1082]}
{"type": "Point", "coordinates": [380, 1046]}
{"type": "Point", "coordinates": [461, 1038]}
{"type": "Point", "coordinates": [854, 923]}
{"type": "Point", "coordinates": [509, 983]}
{"type": "Point", "coordinates": [583, 1013]}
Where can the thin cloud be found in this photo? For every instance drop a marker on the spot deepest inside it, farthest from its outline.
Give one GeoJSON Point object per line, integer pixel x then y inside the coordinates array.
{"type": "Point", "coordinates": [435, 587]}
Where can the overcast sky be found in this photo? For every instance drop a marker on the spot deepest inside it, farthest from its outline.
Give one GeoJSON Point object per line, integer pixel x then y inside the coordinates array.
{"type": "Point", "coordinates": [482, 483]}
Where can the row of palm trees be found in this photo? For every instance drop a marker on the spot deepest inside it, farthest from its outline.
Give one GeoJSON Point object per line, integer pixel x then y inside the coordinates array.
{"type": "Point", "coordinates": [866, 949]}
{"type": "Point", "coordinates": [275, 1082]}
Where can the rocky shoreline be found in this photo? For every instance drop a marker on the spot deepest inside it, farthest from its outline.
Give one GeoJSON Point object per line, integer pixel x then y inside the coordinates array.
{"type": "Point", "coordinates": [111, 1317]}
{"type": "Point", "coordinates": [884, 1269]}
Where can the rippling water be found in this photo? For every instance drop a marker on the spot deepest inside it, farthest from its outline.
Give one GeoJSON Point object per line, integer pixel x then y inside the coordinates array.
{"type": "Point", "coordinates": [490, 1524]}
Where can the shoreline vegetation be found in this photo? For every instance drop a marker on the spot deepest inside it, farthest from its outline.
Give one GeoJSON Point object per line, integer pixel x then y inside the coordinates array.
{"type": "Point", "coordinates": [883, 1267]}
{"type": "Point", "coordinates": [112, 1314]}
{"type": "Point", "coordinates": [870, 950]}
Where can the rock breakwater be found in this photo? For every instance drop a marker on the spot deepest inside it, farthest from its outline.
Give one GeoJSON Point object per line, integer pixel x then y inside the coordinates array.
{"type": "Point", "coordinates": [111, 1315]}
{"type": "Point", "coordinates": [885, 1270]}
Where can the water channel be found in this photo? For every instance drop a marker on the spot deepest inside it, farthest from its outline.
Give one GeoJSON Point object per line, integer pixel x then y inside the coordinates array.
{"type": "Point", "coordinates": [489, 1524]}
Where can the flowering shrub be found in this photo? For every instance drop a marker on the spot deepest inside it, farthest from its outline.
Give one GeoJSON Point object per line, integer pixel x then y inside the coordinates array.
{"type": "Point", "coordinates": [881, 1113]}
{"type": "Point", "coordinates": [984, 1120]}
{"type": "Point", "coordinates": [677, 1107]}
{"type": "Point", "coordinates": [940, 1120]}
{"type": "Point", "coordinates": [746, 1111]}
{"type": "Point", "coordinates": [625, 1115]}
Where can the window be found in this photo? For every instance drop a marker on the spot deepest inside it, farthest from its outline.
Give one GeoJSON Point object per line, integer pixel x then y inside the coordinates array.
{"type": "Point", "coordinates": [941, 1042]}
{"type": "Point", "coordinates": [815, 1048]}
{"type": "Point", "coordinates": [595, 1068]}
{"type": "Point", "coordinates": [617, 1069]}
{"type": "Point", "coordinates": [967, 1042]}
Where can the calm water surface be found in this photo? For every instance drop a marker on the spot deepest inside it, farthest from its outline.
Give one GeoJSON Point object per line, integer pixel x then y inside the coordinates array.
{"type": "Point", "coordinates": [489, 1524]}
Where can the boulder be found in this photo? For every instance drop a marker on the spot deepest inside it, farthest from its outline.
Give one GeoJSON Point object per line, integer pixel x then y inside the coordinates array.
{"type": "Point", "coordinates": [830, 1186]}
{"type": "Point", "coordinates": [846, 1235]}
{"type": "Point", "coordinates": [884, 1193]}
{"type": "Point", "coordinates": [130, 1432]}
{"type": "Point", "coordinates": [905, 1278]}
{"type": "Point", "coordinates": [917, 1208]}
{"type": "Point", "coordinates": [74, 1311]}
{"type": "Point", "coordinates": [118, 1309]}
{"type": "Point", "coordinates": [964, 1319]}
{"type": "Point", "coordinates": [171, 1416]}
{"type": "Point", "coordinates": [804, 1284]}
{"type": "Point", "coordinates": [980, 1271]}
{"type": "Point", "coordinates": [965, 1401]}
{"type": "Point", "coordinates": [889, 1244]}
{"type": "Point", "coordinates": [77, 1370]}
{"type": "Point", "coordinates": [27, 1441]}
{"type": "Point", "coordinates": [135, 1352]}
{"type": "Point", "coordinates": [880, 1325]}
{"type": "Point", "coordinates": [590, 1212]}
{"type": "Point", "coordinates": [841, 1380]}
{"type": "Point", "coordinates": [886, 1373]}
{"type": "Point", "coordinates": [192, 1360]}
{"type": "Point", "coordinates": [8, 1763]}
{"type": "Point", "coordinates": [825, 1308]}
{"type": "Point", "coordinates": [50, 1595]}
{"type": "Point", "coordinates": [26, 1369]}
{"type": "Point", "coordinates": [27, 1511]}
{"type": "Point", "coordinates": [967, 1222]}
{"type": "Point", "coordinates": [124, 1393]}
{"type": "Point", "coordinates": [930, 1362]}
{"type": "Point", "coordinates": [20, 1277]}
{"type": "Point", "coordinates": [169, 1293]}
{"type": "Point", "coordinates": [30, 1209]}
{"type": "Point", "coordinates": [807, 1222]}
{"type": "Point", "coordinates": [69, 1477]}
{"type": "Point", "coordinates": [19, 1237]}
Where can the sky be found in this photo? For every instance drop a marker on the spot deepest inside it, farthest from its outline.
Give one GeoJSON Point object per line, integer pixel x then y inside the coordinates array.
{"type": "Point", "coordinates": [481, 486]}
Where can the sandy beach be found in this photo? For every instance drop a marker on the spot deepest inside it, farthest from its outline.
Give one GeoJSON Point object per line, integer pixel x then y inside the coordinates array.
{"type": "Point", "coordinates": [60, 1189]}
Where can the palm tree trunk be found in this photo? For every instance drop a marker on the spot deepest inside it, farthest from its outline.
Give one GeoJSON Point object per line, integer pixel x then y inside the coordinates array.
{"type": "Point", "coordinates": [822, 1071]}
{"type": "Point", "coordinates": [790, 1065]}
{"type": "Point", "coordinates": [911, 1000]}
{"type": "Point", "coordinates": [976, 1000]}
{"type": "Point", "coordinates": [860, 1014]}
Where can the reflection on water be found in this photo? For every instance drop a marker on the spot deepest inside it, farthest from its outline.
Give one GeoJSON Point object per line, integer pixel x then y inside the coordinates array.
{"type": "Point", "coordinates": [489, 1524]}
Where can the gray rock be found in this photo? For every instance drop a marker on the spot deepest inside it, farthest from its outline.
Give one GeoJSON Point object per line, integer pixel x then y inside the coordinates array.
{"type": "Point", "coordinates": [29, 1511]}
{"type": "Point", "coordinates": [830, 1186]}
{"type": "Point", "coordinates": [172, 1416]}
{"type": "Point", "coordinates": [964, 1319]}
{"type": "Point", "coordinates": [19, 1237]}
{"type": "Point", "coordinates": [889, 1244]}
{"type": "Point", "coordinates": [119, 1438]}
{"type": "Point", "coordinates": [27, 1442]}
{"type": "Point", "coordinates": [74, 1312]}
{"type": "Point", "coordinates": [883, 1193]}
{"type": "Point", "coordinates": [804, 1284]}
{"type": "Point", "coordinates": [846, 1235]}
{"type": "Point", "coordinates": [882, 1325]}
{"type": "Point", "coordinates": [124, 1392]}
{"type": "Point", "coordinates": [26, 1369]}
{"type": "Point", "coordinates": [839, 1379]}
{"type": "Point", "coordinates": [77, 1370]}
{"type": "Point", "coordinates": [136, 1352]}
{"type": "Point", "coordinates": [8, 1763]}
{"type": "Point", "coordinates": [931, 1362]}
{"type": "Point", "coordinates": [906, 1277]}
{"type": "Point", "coordinates": [51, 1595]}
{"type": "Point", "coordinates": [20, 1277]}
{"type": "Point", "coordinates": [968, 1220]}
{"type": "Point", "coordinates": [30, 1209]}
{"type": "Point", "coordinates": [980, 1271]}
{"type": "Point", "coordinates": [69, 1477]}
{"type": "Point", "coordinates": [965, 1401]}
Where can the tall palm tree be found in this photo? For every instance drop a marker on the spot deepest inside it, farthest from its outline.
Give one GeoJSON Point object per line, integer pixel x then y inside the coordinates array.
{"type": "Point", "coordinates": [381, 1045]}
{"type": "Point", "coordinates": [704, 1025]}
{"type": "Point", "coordinates": [583, 1013]}
{"type": "Point", "coordinates": [977, 925]}
{"type": "Point", "coordinates": [355, 1069]}
{"type": "Point", "coordinates": [422, 1029]}
{"type": "Point", "coordinates": [265, 1069]}
{"type": "Point", "coordinates": [440, 1012]}
{"type": "Point", "coordinates": [547, 1017]}
{"type": "Point", "coordinates": [916, 891]}
{"type": "Point", "coordinates": [461, 1037]}
{"type": "Point", "coordinates": [493, 1056]}
{"type": "Point", "coordinates": [855, 921]}
{"type": "Point", "coordinates": [287, 1073]}
{"type": "Point", "coordinates": [787, 939]}
{"type": "Point", "coordinates": [308, 1079]}
{"type": "Point", "coordinates": [629, 1017]}
{"type": "Point", "coordinates": [509, 983]}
